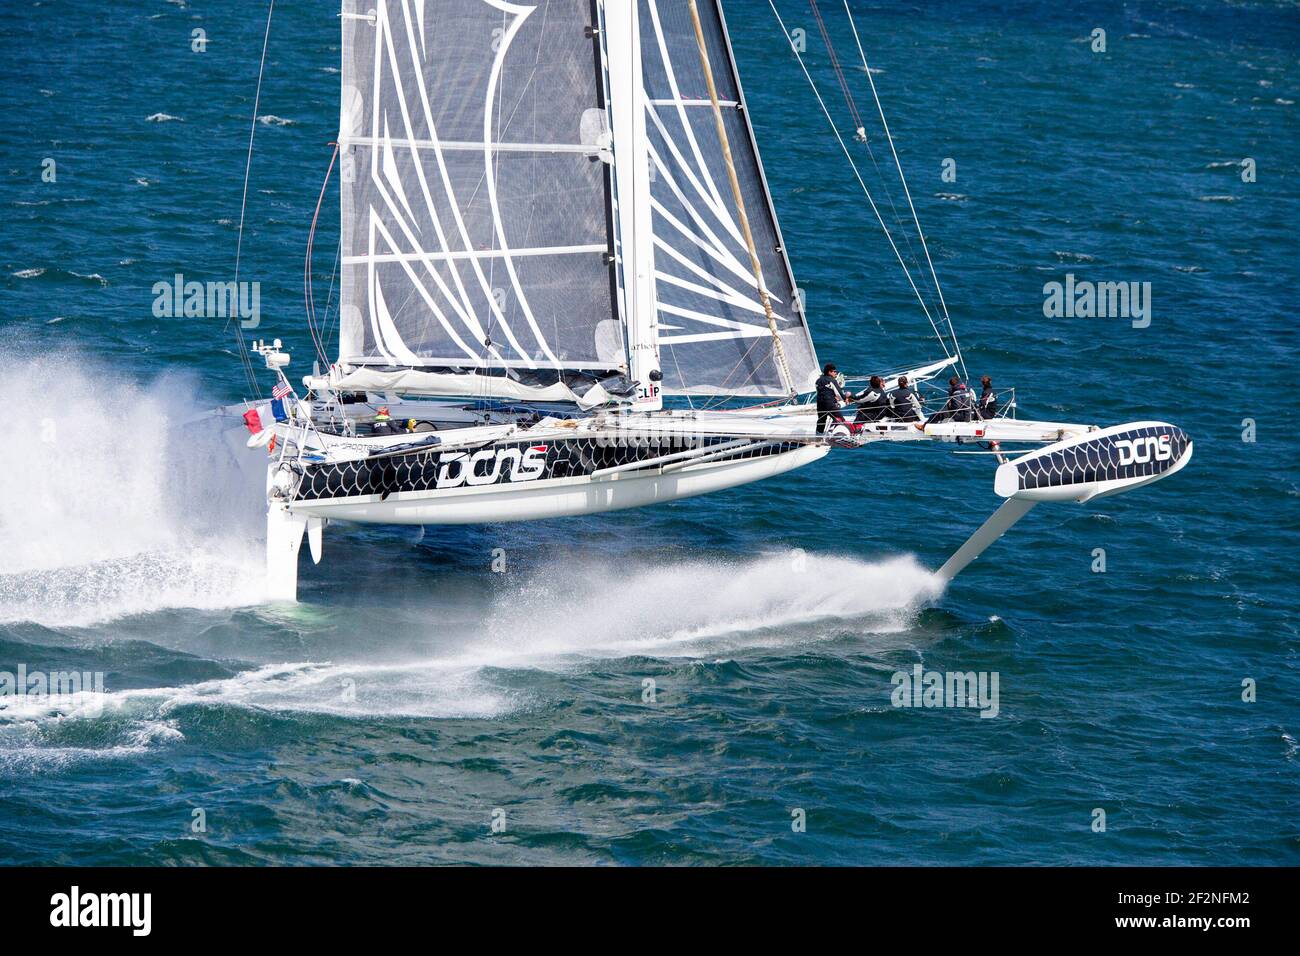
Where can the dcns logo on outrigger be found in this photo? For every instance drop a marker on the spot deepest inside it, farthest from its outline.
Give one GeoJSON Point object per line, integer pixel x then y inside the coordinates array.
{"type": "Point", "coordinates": [1139, 451]}
{"type": "Point", "coordinates": [490, 466]}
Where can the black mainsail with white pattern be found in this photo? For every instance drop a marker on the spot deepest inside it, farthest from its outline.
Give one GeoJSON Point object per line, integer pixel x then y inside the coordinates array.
{"type": "Point", "coordinates": [480, 165]}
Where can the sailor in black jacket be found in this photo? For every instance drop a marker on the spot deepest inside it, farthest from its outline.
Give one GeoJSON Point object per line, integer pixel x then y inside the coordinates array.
{"type": "Point", "coordinates": [904, 403]}
{"type": "Point", "coordinates": [872, 402]}
{"type": "Point", "coordinates": [988, 403]}
{"type": "Point", "coordinates": [830, 396]}
{"type": "Point", "coordinates": [959, 404]}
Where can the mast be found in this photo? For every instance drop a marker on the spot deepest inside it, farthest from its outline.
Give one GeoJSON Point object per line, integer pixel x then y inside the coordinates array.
{"type": "Point", "coordinates": [621, 46]}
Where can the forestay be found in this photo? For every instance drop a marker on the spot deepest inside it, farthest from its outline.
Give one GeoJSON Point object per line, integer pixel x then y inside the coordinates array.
{"type": "Point", "coordinates": [474, 210]}
{"type": "Point", "coordinates": [713, 333]}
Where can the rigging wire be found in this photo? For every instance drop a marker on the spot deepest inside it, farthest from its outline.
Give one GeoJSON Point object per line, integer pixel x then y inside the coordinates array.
{"type": "Point", "coordinates": [328, 324]}
{"type": "Point", "coordinates": [243, 204]}
{"type": "Point", "coordinates": [858, 125]}
{"type": "Point", "coordinates": [308, 294]}
{"type": "Point", "coordinates": [907, 192]}
{"type": "Point", "coordinates": [858, 175]}
{"type": "Point", "coordinates": [861, 134]}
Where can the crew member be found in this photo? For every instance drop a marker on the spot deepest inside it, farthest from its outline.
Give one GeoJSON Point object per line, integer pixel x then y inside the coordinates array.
{"type": "Point", "coordinates": [958, 406]}
{"type": "Point", "coordinates": [905, 404]}
{"type": "Point", "coordinates": [872, 402]}
{"type": "Point", "coordinates": [830, 397]}
{"type": "Point", "coordinates": [988, 403]}
{"type": "Point", "coordinates": [383, 422]}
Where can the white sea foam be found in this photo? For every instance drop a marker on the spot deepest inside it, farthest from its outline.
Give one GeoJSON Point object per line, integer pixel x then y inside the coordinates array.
{"type": "Point", "coordinates": [559, 619]}
{"type": "Point", "coordinates": [130, 722]}
{"type": "Point", "coordinates": [693, 607]}
{"type": "Point", "coordinates": [112, 505]}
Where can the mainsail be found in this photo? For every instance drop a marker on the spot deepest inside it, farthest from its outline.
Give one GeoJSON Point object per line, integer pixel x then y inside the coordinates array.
{"type": "Point", "coordinates": [713, 333]}
{"type": "Point", "coordinates": [483, 250]}
{"type": "Point", "coordinates": [474, 215]}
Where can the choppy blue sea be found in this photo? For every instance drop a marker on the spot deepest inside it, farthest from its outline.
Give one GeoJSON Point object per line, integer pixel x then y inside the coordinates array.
{"type": "Point", "coordinates": [682, 684]}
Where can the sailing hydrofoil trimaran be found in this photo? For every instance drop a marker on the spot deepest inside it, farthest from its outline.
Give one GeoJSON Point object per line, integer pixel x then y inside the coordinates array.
{"type": "Point", "coordinates": [554, 216]}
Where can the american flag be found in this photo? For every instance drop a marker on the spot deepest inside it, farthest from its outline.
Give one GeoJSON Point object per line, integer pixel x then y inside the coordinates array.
{"type": "Point", "coordinates": [281, 390]}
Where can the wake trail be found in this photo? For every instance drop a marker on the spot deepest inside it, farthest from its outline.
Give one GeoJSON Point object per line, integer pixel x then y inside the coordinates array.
{"type": "Point", "coordinates": [698, 607]}
{"type": "Point", "coordinates": [557, 620]}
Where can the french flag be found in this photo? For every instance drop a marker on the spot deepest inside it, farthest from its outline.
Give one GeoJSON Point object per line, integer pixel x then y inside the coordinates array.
{"type": "Point", "coordinates": [265, 415]}
{"type": "Point", "coordinates": [259, 418]}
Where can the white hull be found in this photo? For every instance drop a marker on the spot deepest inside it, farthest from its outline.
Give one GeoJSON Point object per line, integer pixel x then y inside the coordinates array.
{"type": "Point", "coordinates": [557, 498]}
{"type": "Point", "coordinates": [554, 468]}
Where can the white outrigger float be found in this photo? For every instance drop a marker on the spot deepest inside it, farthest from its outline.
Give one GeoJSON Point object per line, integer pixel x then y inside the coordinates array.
{"type": "Point", "coordinates": [554, 218]}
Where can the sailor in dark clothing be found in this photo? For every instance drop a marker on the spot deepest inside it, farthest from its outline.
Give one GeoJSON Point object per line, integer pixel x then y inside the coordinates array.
{"type": "Point", "coordinates": [904, 403]}
{"type": "Point", "coordinates": [872, 402]}
{"type": "Point", "coordinates": [830, 397]}
{"type": "Point", "coordinates": [988, 403]}
{"type": "Point", "coordinates": [959, 405]}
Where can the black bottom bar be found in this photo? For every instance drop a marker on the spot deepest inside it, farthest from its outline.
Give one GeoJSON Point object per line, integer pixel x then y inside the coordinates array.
{"type": "Point", "coordinates": [943, 906]}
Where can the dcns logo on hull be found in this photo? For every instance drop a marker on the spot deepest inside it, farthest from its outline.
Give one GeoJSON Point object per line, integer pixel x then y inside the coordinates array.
{"type": "Point", "coordinates": [1139, 451]}
{"type": "Point", "coordinates": [490, 466]}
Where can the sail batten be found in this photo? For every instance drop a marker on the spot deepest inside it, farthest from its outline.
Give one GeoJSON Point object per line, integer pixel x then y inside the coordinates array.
{"type": "Point", "coordinates": [471, 146]}
{"type": "Point", "coordinates": [475, 254]}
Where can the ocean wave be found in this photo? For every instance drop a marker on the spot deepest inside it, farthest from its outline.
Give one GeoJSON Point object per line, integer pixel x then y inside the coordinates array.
{"type": "Point", "coordinates": [551, 622]}
{"type": "Point", "coordinates": [35, 272]}
{"type": "Point", "coordinates": [51, 732]}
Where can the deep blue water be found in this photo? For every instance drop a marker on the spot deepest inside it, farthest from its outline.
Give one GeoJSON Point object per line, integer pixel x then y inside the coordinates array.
{"type": "Point", "coordinates": [413, 692]}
